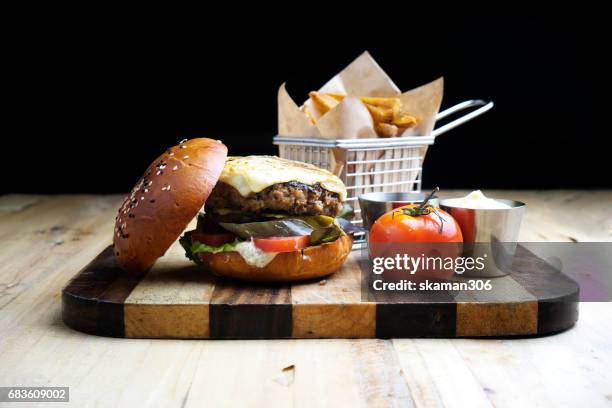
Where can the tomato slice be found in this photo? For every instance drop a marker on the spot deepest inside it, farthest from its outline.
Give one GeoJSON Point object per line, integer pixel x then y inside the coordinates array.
{"type": "Point", "coordinates": [282, 244]}
{"type": "Point", "coordinates": [214, 239]}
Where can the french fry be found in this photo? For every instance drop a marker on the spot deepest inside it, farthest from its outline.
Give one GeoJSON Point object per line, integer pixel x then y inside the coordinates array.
{"type": "Point", "coordinates": [390, 103]}
{"type": "Point", "coordinates": [338, 97]}
{"type": "Point", "coordinates": [404, 121]}
{"type": "Point", "coordinates": [386, 129]}
{"type": "Point", "coordinates": [380, 114]}
{"type": "Point", "coordinates": [323, 102]}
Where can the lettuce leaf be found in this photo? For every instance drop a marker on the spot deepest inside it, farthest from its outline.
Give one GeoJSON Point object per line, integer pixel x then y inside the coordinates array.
{"type": "Point", "coordinates": [191, 249]}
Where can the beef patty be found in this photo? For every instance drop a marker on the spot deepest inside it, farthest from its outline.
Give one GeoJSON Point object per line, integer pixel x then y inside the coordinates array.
{"type": "Point", "coordinates": [292, 197]}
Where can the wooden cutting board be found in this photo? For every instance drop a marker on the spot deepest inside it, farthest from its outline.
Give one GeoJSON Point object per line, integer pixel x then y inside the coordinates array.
{"type": "Point", "coordinates": [176, 299]}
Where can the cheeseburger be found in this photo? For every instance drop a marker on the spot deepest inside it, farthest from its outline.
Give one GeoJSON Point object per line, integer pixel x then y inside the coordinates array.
{"type": "Point", "coordinates": [258, 217]}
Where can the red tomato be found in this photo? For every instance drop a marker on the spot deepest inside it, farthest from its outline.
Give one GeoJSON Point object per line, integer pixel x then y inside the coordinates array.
{"type": "Point", "coordinates": [214, 239]}
{"type": "Point", "coordinates": [282, 244]}
{"type": "Point", "coordinates": [416, 231]}
{"type": "Point", "coordinates": [434, 225]}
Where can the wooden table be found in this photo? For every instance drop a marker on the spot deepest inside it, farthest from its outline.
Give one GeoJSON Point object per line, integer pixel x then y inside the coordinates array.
{"type": "Point", "coordinates": [45, 240]}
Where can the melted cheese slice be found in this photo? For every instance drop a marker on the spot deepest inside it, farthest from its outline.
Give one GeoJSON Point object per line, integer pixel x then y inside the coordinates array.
{"type": "Point", "coordinates": [252, 174]}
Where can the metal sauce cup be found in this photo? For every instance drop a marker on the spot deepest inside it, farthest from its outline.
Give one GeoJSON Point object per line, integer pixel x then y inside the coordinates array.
{"type": "Point", "coordinates": [489, 233]}
{"type": "Point", "coordinates": [374, 205]}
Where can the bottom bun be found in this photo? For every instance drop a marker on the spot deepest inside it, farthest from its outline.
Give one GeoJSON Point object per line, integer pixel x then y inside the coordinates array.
{"type": "Point", "coordinates": [308, 263]}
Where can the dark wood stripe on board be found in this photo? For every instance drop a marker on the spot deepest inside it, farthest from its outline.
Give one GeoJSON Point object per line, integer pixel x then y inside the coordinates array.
{"type": "Point", "coordinates": [250, 310]}
{"type": "Point", "coordinates": [413, 313]}
{"type": "Point", "coordinates": [557, 293]}
{"type": "Point", "coordinates": [92, 302]}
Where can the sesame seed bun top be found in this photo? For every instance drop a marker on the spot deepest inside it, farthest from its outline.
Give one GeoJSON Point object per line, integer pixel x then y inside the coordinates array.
{"type": "Point", "coordinates": [165, 199]}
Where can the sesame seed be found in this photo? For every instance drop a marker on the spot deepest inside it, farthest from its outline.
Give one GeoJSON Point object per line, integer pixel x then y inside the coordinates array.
{"type": "Point", "coordinates": [149, 183]}
{"type": "Point", "coordinates": [171, 154]}
{"type": "Point", "coordinates": [141, 198]}
{"type": "Point", "coordinates": [183, 147]}
{"type": "Point", "coordinates": [158, 172]}
{"type": "Point", "coordinates": [182, 141]}
{"type": "Point", "coordinates": [185, 157]}
{"type": "Point", "coordinates": [146, 190]}
{"type": "Point", "coordinates": [174, 168]}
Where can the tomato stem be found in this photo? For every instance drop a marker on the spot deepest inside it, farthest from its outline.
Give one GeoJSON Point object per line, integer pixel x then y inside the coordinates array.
{"type": "Point", "coordinates": [425, 208]}
{"type": "Point", "coordinates": [425, 202]}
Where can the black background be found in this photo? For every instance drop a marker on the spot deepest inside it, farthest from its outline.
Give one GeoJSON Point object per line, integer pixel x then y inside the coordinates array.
{"type": "Point", "coordinates": [96, 102]}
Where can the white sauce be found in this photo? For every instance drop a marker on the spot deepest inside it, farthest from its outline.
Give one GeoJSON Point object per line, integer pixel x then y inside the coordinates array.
{"type": "Point", "coordinates": [476, 200]}
{"type": "Point", "coordinates": [253, 255]}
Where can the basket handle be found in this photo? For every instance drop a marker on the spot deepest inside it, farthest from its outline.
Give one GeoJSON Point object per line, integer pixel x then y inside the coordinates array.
{"type": "Point", "coordinates": [484, 107]}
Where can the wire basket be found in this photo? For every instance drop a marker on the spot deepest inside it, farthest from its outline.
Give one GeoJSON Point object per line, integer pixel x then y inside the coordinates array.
{"type": "Point", "coordinates": [375, 165]}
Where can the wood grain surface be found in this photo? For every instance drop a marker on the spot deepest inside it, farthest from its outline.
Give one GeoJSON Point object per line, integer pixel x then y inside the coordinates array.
{"type": "Point", "coordinates": [45, 239]}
